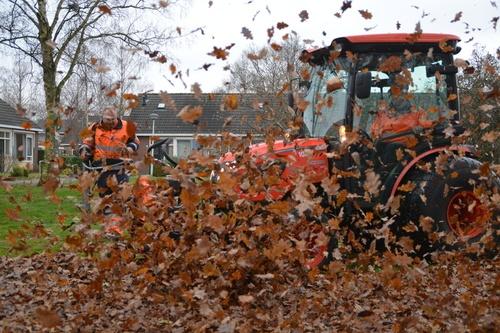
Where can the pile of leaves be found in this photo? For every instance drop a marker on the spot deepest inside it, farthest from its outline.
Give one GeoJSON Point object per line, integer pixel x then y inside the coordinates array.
{"type": "Point", "coordinates": [207, 260]}
{"type": "Point", "coordinates": [115, 293]}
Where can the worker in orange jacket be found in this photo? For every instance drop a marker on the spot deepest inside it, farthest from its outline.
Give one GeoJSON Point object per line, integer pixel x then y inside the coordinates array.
{"type": "Point", "coordinates": [108, 143]}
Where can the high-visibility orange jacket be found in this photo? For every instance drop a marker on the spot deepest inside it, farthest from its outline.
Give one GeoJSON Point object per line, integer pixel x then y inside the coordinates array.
{"type": "Point", "coordinates": [110, 144]}
{"type": "Point", "coordinates": [385, 124]}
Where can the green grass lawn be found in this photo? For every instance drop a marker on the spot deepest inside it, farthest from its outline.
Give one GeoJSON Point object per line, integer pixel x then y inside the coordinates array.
{"type": "Point", "coordinates": [35, 208]}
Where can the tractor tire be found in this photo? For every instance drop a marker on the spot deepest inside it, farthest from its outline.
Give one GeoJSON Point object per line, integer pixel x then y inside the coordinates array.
{"type": "Point", "coordinates": [449, 211]}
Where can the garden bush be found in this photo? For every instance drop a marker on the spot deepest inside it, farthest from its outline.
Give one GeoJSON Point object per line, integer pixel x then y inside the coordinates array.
{"type": "Point", "coordinates": [19, 171]}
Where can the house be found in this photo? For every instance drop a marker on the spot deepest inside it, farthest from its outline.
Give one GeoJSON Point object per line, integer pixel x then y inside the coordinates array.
{"type": "Point", "coordinates": [239, 114]}
{"type": "Point", "coordinates": [18, 139]}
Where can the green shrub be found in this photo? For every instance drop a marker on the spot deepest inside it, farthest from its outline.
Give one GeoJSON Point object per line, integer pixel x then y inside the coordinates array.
{"type": "Point", "coordinates": [19, 171]}
{"type": "Point", "coordinates": [70, 160]}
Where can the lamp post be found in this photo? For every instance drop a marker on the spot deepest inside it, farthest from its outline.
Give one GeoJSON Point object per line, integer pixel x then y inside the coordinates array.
{"type": "Point", "coordinates": [153, 116]}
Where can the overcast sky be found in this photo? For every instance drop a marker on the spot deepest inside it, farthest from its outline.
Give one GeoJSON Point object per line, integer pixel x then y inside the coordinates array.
{"type": "Point", "coordinates": [222, 22]}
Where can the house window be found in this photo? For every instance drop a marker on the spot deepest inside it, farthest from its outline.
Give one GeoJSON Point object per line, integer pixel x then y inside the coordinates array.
{"type": "Point", "coordinates": [29, 148]}
{"type": "Point", "coordinates": [5, 154]}
{"type": "Point", "coordinates": [23, 144]}
{"type": "Point", "coordinates": [20, 152]}
{"type": "Point", "coordinates": [183, 148]}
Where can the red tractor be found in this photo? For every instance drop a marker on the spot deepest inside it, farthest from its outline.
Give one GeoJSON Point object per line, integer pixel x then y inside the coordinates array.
{"type": "Point", "coordinates": [381, 137]}
{"type": "Point", "coordinates": [377, 137]}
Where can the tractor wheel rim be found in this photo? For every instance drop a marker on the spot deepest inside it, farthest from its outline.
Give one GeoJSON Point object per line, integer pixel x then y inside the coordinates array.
{"type": "Point", "coordinates": [466, 215]}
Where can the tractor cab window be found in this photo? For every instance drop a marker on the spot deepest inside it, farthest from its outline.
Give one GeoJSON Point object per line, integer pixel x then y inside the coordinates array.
{"type": "Point", "coordinates": [327, 98]}
{"type": "Point", "coordinates": [403, 85]}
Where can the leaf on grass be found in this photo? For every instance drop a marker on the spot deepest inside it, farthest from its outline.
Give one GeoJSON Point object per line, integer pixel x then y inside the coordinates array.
{"type": "Point", "coordinates": [13, 214]}
{"type": "Point", "coordinates": [47, 318]}
{"type": "Point", "coordinates": [244, 299]}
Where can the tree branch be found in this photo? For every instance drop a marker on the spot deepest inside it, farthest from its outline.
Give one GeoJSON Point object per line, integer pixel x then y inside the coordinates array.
{"type": "Point", "coordinates": [81, 28]}
{"type": "Point", "coordinates": [56, 15]}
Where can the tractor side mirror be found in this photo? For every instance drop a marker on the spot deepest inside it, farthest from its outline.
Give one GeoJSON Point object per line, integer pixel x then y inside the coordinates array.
{"type": "Point", "coordinates": [363, 84]}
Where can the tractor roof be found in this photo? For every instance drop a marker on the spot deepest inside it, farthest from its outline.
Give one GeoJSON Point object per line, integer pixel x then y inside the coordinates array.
{"type": "Point", "coordinates": [399, 38]}
{"type": "Point", "coordinates": [387, 43]}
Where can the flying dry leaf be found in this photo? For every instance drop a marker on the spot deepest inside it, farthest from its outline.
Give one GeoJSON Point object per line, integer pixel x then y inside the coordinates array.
{"type": "Point", "coordinates": [391, 64]}
{"type": "Point", "coordinates": [190, 114]}
{"type": "Point", "coordinates": [165, 98]}
{"type": "Point", "coordinates": [426, 223]}
{"type": "Point", "coordinates": [27, 125]}
{"type": "Point", "coordinates": [304, 15]}
{"type": "Point", "coordinates": [195, 88]}
{"type": "Point", "coordinates": [486, 107]}
{"type": "Point", "coordinates": [173, 69]}
{"type": "Point", "coordinates": [52, 44]}
{"type": "Point", "coordinates": [231, 102]}
{"type": "Point", "coordinates": [345, 6]}
{"type": "Point", "coordinates": [444, 46]}
{"type": "Point", "coordinates": [276, 47]}
{"type": "Point", "coordinates": [366, 14]}
{"type": "Point", "coordinates": [219, 53]}
{"type": "Point", "coordinates": [86, 133]}
{"type": "Point", "coordinates": [281, 25]}
{"type": "Point", "coordinates": [104, 9]}
{"type": "Point", "coordinates": [334, 84]}
{"type": "Point", "coordinates": [246, 33]}
{"type": "Point", "coordinates": [457, 17]}
{"type": "Point", "coordinates": [495, 22]}
{"type": "Point", "coordinates": [102, 69]}
{"type": "Point", "coordinates": [491, 136]}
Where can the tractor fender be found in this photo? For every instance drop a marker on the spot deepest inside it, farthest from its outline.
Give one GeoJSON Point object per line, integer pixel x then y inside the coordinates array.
{"type": "Point", "coordinates": [434, 151]}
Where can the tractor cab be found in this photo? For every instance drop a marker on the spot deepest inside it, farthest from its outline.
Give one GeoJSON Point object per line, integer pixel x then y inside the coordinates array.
{"type": "Point", "coordinates": [382, 85]}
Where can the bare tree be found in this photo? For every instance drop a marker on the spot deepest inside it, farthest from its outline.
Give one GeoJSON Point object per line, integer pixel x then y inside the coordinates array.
{"type": "Point", "coordinates": [53, 34]}
{"type": "Point", "coordinates": [19, 86]}
{"type": "Point", "coordinates": [480, 100]}
{"type": "Point", "coordinates": [269, 71]}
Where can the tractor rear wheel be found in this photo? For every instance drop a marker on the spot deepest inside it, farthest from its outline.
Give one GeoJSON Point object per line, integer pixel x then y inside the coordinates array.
{"type": "Point", "coordinates": [448, 211]}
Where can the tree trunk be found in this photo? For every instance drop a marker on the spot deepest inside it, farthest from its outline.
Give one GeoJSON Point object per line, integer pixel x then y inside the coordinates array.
{"type": "Point", "coordinates": [52, 93]}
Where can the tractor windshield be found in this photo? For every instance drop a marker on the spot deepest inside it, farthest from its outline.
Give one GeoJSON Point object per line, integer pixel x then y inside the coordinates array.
{"type": "Point", "coordinates": [404, 84]}
{"type": "Point", "coordinates": [401, 83]}
{"type": "Point", "coordinates": [327, 98]}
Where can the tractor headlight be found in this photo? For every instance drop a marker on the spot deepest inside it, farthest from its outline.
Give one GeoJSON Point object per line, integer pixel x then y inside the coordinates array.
{"type": "Point", "coordinates": [342, 133]}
